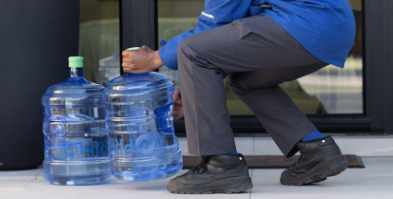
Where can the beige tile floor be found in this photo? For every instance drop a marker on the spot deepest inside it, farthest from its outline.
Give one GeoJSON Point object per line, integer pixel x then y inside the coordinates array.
{"type": "Point", "coordinates": [376, 145]}
{"type": "Point", "coordinates": [375, 181]}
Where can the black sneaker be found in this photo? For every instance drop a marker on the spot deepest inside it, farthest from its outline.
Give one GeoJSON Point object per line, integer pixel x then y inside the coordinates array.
{"type": "Point", "coordinates": [319, 159]}
{"type": "Point", "coordinates": [215, 174]}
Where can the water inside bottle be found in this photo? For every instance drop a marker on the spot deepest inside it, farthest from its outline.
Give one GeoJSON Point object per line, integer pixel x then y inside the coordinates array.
{"type": "Point", "coordinates": [139, 119]}
{"type": "Point", "coordinates": [76, 139]}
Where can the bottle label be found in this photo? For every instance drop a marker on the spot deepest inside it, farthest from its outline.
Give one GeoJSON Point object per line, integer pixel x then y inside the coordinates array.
{"type": "Point", "coordinates": [77, 150]}
{"type": "Point", "coordinates": [95, 148]}
{"type": "Point", "coordinates": [144, 143]}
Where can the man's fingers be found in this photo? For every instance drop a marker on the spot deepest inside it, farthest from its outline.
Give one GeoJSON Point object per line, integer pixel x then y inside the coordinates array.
{"type": "Point", "coordinates": [138, 61]}
{"type": "Point", "coordinates": [125, 53]}
{"type": "Point", "coordinates": [175, 95]}
{"type": "Point", "coordinates": [128, 69]}
{"type": "Point", "coordinates": [128, 65]}
{"type": "Point", "coordinates": [178, 101]}
{"type": "Point", "coordinates": [128, 59]}
{"type": "Point", "coordinates": [125, 64]}
{"type": "Point", "coordinates": [128, 53]}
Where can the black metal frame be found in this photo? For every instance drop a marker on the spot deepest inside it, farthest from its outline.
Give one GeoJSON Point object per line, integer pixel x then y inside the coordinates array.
{"type": "Point", "coordinates": [138, 26]}
{"type": "Point", "coordinates": [378, 47]}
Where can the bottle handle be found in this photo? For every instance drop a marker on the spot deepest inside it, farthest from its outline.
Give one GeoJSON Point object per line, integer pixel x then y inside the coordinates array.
{"type": "Point", "coordinates": [164, 119]}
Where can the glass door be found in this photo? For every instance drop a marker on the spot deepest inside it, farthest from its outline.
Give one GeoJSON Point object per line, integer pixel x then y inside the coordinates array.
{"type": "Point", "coordinates": [331, 90]}
{"type": "Point", "coordinates": [99, 39]}
{"type": "Point", "coordinates": [334, 99]}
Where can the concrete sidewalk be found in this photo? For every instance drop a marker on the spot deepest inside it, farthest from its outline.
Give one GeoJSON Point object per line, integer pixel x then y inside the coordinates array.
{"type": "Point", "coordinates": [375, 181]}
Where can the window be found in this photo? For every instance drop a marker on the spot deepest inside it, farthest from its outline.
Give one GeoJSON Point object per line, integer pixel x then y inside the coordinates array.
{"type": "Point", "coordinates": [331, 90]}
{"type": "Point", "coordinates": [99, 39]}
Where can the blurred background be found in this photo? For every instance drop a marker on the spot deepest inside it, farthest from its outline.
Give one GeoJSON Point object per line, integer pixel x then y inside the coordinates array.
{"type": "Point", "coordinates": [353, 104]}
{"type": "Point", "coordinates": [331, 90]}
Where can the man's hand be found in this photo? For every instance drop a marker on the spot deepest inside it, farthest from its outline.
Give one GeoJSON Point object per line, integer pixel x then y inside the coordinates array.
{"type": "Point", "coordinates": [141, 61]}
{"type": "Point", "coordinates": [177, 112]}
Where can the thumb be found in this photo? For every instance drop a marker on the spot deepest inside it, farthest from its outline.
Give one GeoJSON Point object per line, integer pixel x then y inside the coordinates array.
{"type": "Point", "coordinates": [175, 95]}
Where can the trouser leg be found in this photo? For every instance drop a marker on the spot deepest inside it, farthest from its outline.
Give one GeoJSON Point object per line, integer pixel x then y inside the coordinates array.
{"type": "Point", "coordinates": [278, 114]}
{"type": "Point", "coordinates": [248, 45]}
{"type": "Point", "coordinates": [206, 114]}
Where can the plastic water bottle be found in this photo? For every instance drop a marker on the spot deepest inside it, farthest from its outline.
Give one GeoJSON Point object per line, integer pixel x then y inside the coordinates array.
{"type": "Point", "coordinates": [76, 139]}
{"type": "Point", "coordinates": [139, 119]}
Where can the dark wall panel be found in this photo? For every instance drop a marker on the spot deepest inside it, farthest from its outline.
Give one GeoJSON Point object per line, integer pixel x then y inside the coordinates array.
{"type": "Point", "coordinates": [36, 38]}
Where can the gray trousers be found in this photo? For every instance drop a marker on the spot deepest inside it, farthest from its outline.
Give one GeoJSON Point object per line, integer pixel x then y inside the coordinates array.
{"type": "Point", "coordinates": [258, 55]}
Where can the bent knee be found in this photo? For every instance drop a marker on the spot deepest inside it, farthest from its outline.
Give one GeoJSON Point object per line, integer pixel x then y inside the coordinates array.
{"type": "Point", "coordinates": [185, 47]}
{"type": "Point", "coordinates": [194, 46]}
{"type": "Point", "coordinates": [233, 83]}
{"type": "Point", "coordinates": [240, 83]}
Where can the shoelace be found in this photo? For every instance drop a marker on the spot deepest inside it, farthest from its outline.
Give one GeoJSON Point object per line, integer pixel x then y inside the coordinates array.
{"type": "Point", "coordinates": [200, 168]}
{"type": "Point", "coordinates": [293, 166]}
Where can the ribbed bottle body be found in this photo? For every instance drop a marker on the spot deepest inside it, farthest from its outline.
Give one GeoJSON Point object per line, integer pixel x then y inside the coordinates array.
{"type": "Point", "coordinates": [139, 120]}
{"type": "Point", "coordinates": [76, 139]}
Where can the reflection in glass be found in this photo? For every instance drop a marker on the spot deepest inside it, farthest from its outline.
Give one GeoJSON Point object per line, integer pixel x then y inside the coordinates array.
{"type": "Point", "coordinates": [99, 39]}
{"type": "Point", "coordinates": [176, 17]}
{"type": "Point", "coordinates": [108, 68]}
{"type": "Point", "coordinates": [339, 90]}
{"type": "Point", "coordinates": [331, 90]}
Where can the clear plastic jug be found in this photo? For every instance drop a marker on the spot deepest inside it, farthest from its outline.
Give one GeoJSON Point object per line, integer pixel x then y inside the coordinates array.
{"type": "Point", "coordinates": [139, 119]}
{"type": "Point", "coordinates": [76, 139]}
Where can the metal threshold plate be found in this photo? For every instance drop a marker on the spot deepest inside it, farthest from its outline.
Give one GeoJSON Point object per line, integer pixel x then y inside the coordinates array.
{"type": "Point", "coordinates": [271, 161]}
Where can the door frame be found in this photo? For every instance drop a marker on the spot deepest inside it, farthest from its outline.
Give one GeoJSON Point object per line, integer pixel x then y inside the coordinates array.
{"type": "Point", "coordinates": [139, 26]}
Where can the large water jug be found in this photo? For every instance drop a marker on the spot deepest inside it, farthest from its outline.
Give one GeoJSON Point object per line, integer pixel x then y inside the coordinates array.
{"type": "Point", "coordinates": [76, 139]}
{"type": "Point", "coordinates": [139, 119]}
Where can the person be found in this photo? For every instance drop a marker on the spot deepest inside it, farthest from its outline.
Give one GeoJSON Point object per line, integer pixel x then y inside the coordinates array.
{"type": "Point", "coordinates": [255, 45]}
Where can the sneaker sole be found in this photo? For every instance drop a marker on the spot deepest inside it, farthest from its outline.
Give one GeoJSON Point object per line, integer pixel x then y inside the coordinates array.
{"type": "Point", "coordinates": [231, 185]}
{"type": "Point", "coordinates": [329, 168]}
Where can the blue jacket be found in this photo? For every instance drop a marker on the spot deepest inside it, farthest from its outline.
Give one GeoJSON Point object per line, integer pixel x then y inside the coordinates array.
{"type": "Point", "coordinates": [326, 28]}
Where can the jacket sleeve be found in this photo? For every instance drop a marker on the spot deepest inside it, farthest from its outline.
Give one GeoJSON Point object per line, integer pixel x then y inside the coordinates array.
{"type": "Point", "coordinates": [216, 13]}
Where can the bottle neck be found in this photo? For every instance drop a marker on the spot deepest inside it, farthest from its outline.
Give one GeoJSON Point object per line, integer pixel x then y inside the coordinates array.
{"type": "Point", "coordinates": [76, 72]}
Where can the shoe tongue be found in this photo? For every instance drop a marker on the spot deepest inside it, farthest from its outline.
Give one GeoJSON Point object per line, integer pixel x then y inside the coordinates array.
{"type": "Point", "coordinates": [214, 169]}
{"type": "Point", "coordinates": [201, 170]}
{"type": "Point", "coordinates": [202, 166]}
